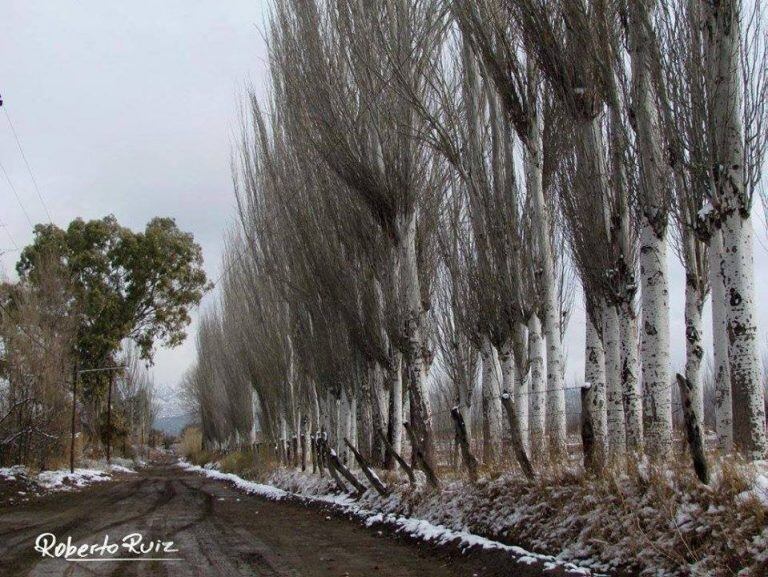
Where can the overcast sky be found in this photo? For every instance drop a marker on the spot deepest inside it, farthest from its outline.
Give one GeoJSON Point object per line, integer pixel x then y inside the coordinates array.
{"type": "Point", "coordinates": [130, 109]}
{"type": "Point", "coordinates": [126, 108]}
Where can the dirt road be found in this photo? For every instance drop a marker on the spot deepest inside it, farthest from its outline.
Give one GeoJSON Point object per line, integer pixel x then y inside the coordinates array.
{"type": "Point", "coordinates": [220, 532]}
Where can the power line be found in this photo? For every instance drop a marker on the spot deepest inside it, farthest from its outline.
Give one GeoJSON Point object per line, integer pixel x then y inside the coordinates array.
{"type": "Point", "coordinates": [16, 194]}
{"type": "Point", "coordinates": [10, 236]}
{"type": "Point", "coordinates": [26, 162]}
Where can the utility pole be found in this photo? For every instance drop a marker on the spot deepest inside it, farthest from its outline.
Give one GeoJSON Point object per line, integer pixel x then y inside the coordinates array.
{"type": "Point", "coordinates": [74, 408]}
{"type": "Point", "coordinates": [75, 374]}
{"type": "Point", "coordinates": [109, 418]}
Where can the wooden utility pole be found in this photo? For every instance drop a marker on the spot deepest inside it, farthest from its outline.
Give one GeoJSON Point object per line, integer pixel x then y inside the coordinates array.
{"type": "Point", "coordinates": [74, 408]}
{"type": "Point", "coordinates": [109, 418]}
{"type": "Point", "coordinates": [75, 375]}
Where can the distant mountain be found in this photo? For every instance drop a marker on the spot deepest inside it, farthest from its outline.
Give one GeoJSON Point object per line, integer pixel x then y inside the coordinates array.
{"type": "Point", "coordinates": [173, 415]}
{"type": "Point", "coordinates": [169, 400]}
{"type": "Point", "coordinates": [174, 424]}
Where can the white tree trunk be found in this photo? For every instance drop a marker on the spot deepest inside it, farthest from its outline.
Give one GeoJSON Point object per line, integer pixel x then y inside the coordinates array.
{"type": "Point", "coordinates": [694, 350]}
{"type": "Point", "coordinates": [351, 430]}
{"type": "Point", "coordinates": [515, 385]}
{"type": "Point", "coordinates": [633, 406]}
{"type": "Point", "coordinates": [537, 420]}
{"type": "Point", "coordinates": [338, 424]}
{"type": "Point", "coordinates": [283, 451]}
{"type": "Point", "coordinates": [420, 414]}
{"type": "Point", "coordinates": [380, 414]}
{"type": "Point", "coordinates": [654, 196]}
{"type": "Point", "coordinates": [748, 397]}
{"type": "Point", "coordinates": [615, 404]}
{"type": "Point", "coordinates": [492, 416]}
{"type": "Point", "coordinates": [721, 371]}
{"type": "Point", "coordinates": [594, 374]}
{"type": "Point", "coordinates": [396, 403]}
{"type": "Point", "coordinates": [550, 313]}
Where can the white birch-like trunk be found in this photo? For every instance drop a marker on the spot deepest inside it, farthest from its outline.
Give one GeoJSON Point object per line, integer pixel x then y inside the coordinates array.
{"type": "Point", "coordinates": [352, 430]}
{"type": "Point", "coordinates": [654, 195]}
{"type": "Point", "coordinates": [396, 403]}
{"type": "Point", "coordinates": [747, 393]}
{"type": "Point", "coordinates": [365, 411]}
{"type": "Point", "coordinates": [537, 420]}
{"type": "Point", "coordinates": [550, 313]}
{"type": "Point", "coordinates": [594, 375]}
{"type": "Point", "coordinates": [420, 413]}
{"type": "Point", "coordinates": [515, 384]}
{"type": "Point", "coordinates": [380, 414]}
{"type": "Point", "coordinates": [283, 444]}
{"type": "Point", "coordinates": [615, 405]}
{"type": "Point", "coordinates": [338, 421]}
{"type": "Point", "coordinates": [721, 370]}
{"type": "Point", "coordinates": [306, 455]}
{"type": "Point", "coordinates": [492, 417]}
{"type": "Point", "coordinates": [748, 396]}
{"type": "Point", "coordinates": [633, 406]}
{"type": "Point", "coordinates": [694, 350]}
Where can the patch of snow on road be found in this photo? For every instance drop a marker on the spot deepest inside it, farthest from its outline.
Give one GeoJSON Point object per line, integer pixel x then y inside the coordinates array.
{"type": "Point", "coordinates": [63, 480]}
{"type": "Point", "coordinates": [13, 473]}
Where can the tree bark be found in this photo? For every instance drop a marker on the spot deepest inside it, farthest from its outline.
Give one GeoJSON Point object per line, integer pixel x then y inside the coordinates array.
{"type": "Point", "coordinates": [550, 311]}
{"type": "Point", "coordinates": [694, 349]}
{"type": "Point", "coordinates": [462, 438]}
{"type": "Point", "coordinates": [379, 414]}
{"type": "Point", "coordinates": [395, 423]}
{"type": "Point", "coordinates": [420, 416]}
{"type": "Point", "coordinates": [517, 441]}
{"type": "Point", "coordinates": [512, 382]}
{"type": "Point", "coordinates": [654, 198]}
{"type": "Point", "coordinates": [616, 441]}
{"type": "Point", "coordinates": [748, 402]}
{"type": "Point", "coordinates": [694, 430]}
{"type": "Point", "coordinates": [491, 404]}
{"type": "Point", "coordinates": [633, 408]}
{"type": "Point", "coordinates": [397, 458]}
{"type": "Point", "coordinates": [722, 372]}
{"type": "Point", "coordinates": [593, 401]}
{"type": "Point", "coordinates": [421, 458]}
{"type": "Point", "coordinates": [538, 394]}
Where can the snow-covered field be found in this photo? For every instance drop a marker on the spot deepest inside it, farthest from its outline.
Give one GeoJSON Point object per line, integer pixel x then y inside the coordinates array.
{"type": "Point", "coordinates": [659, 523]}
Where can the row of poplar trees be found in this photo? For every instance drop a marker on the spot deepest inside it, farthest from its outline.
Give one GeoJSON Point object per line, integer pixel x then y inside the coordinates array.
{"type": "Point", "coordinates": [426, 181]}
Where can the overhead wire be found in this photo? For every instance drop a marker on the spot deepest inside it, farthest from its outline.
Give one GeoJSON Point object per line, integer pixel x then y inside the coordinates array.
{"type": "Point", "coordinates": [26, 162]}
{"type": "Point", "coordinates": [16, 194]}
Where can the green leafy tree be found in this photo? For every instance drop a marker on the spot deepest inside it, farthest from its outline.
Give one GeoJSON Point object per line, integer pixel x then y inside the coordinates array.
{"type": "Point", "coordinates": [127, 285]}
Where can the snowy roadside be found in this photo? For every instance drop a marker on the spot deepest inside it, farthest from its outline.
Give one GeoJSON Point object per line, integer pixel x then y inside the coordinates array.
{"type": "Point", "coordinates": [18, 484]}
{"type": "Point", "coordinates": [659, 523]}
{"type": "Point", "coordinates": [420, 529]}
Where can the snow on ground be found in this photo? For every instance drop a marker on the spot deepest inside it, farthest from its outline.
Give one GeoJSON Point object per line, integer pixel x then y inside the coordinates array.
{"type": "Point", "coordinates": [12, 473]}
{"type": "Point", "coordinates": [648, 522]}
{"type": "Point", "coordinates": [63, 480]}
{"type": "Point", "coordinates": [17, 483]}
{"type": "Point", "coordinates": [416, 528]}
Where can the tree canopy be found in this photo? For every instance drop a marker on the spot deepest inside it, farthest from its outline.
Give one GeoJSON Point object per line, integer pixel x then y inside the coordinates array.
{"type": "Point", "coordinates": [126, 285]}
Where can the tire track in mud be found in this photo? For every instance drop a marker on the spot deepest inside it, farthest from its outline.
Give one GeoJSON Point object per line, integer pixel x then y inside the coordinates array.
{"type": "Point", "coordinates": [221, 532]}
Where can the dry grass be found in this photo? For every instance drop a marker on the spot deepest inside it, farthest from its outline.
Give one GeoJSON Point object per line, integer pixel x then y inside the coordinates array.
{"type": "Point", "coordinates": [638, 520]}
